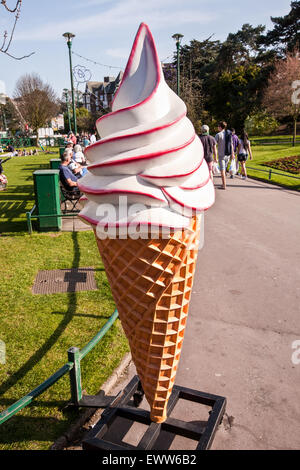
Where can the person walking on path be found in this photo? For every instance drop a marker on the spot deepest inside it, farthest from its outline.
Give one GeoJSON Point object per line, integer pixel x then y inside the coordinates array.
{"type": "Point", "coordinates": [225, 149]}
{"type": "Point", "coordinates": [235, 141]}
{"type": "Point", "coordinates": [209, 147]}
{"type": "Point", "coordinates": [244, 149]}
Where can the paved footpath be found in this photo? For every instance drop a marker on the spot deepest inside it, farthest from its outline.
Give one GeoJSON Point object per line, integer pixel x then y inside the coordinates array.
{"type": "Point", "coordinates": [244, 317]}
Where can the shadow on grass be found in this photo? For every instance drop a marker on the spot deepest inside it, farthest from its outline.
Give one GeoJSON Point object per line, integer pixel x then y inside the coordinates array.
{"type": "Point", "coordinates": [16, 428]}
{"type": "Point", "coordinates": [14, 202]}
{"type": "Point", "coordinates": [32, 168]}
{"type": "Point", "coordinates": [23, 429]}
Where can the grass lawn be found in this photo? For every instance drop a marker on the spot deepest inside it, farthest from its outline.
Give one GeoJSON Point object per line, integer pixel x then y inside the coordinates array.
{"type": "Point", "coordinates": [266, 153]}
{"type": "Point", "coordinates": [39, 329]}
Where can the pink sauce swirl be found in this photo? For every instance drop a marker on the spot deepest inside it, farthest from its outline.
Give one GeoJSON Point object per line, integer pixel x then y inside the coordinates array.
{"type": "Point", "coordinates": [148, 168]}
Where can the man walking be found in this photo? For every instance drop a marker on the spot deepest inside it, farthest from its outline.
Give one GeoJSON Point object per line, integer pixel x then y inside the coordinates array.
{"type": "Point", "coordinates": [225, 149]}
{"type": "Point", "coordinates": [209, 147]}
{"type": "Point", "coordinates": [236, 142]}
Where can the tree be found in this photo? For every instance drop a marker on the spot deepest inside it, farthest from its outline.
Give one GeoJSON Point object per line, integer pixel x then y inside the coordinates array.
{"type": "Point", "coordinates": [36, 101]}
{"type": "Point", "coordinates": [11, 116]}
{"type": "Point", "coordinates": [261, 123]}
{"type": "Point", "coordinates": [234, 95]}
{"type": "Point", "coordinates": [8, 37]}
{"type": "Point", "coordinates": [281, 98]}
{"type": "Point", "coordinates": [241, 48]}
{"type": "Point", "coordinates": [230, 75]}
{"type": "Point", "coordinates": [286, 32]}
{"type": "Point", "coordinates": [84, 119]}
{"type": "Point", "coordinates": [190, 91]}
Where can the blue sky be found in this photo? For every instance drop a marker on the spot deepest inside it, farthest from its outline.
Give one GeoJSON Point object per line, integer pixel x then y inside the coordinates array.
{"type": "Point", "coordinates": [105, 30]}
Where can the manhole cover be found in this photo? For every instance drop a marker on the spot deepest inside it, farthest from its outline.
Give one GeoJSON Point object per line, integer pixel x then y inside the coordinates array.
{"type": "Point", "coordinates": [64, 280]}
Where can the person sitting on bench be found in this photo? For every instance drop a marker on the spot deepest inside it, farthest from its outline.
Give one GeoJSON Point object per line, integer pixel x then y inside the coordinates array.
{"type": "Point", "coordinates": [75, 167]}
{"type": "Point", "coordinates": [66, 176]}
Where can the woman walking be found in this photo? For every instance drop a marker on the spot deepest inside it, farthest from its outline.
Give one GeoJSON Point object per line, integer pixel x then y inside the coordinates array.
{"type": "Point", "coordinates": [244, 149]}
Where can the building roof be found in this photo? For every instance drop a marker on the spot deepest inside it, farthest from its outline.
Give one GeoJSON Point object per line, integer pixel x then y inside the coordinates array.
{"type": "Point", "coordinates": [92, 86]}
{"type": "Point", "coordinates": [108, 86]}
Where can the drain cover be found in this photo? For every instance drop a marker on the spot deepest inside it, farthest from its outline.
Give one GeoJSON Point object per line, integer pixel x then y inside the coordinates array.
{"type": "Point", "coordinates": [64, 280]}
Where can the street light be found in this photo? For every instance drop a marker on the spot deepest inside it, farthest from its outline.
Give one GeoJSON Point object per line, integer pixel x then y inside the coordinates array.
{"type": "Point", "coordinates": [69, 37]}
{"type": "Point", "coordinates": [178, 37]}
{"type": "Point", "coordinates": [66, 93]}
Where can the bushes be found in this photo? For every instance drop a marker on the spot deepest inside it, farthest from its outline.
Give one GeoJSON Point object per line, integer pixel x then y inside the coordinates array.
{"type": "Point", "coordinates": [260, 124]}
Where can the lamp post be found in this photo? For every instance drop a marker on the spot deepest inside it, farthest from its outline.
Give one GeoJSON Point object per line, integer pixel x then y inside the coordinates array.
{"type": "Point", "coordinates": [69, 37]}
{"type": "Point", "coordinates": [66, 93]}
{"type": "Point", "coordinates": [178, 37]}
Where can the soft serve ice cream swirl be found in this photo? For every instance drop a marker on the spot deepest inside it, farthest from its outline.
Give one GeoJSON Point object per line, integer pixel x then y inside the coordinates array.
{"type": "Point", "coordinates": [148, 168]}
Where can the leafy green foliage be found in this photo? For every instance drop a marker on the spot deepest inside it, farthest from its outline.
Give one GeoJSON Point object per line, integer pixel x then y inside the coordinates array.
{"type": "Point", "coordinates": [286, 32]}
{"type": "Point", "coordinates": [233, 94]}
{"type": "Point", "coordinates": [260, 123]}
{"type": "Point", "coordinates": [231, 76]}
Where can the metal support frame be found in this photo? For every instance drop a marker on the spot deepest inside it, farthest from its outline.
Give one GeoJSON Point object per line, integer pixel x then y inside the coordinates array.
{"type": "Point", "coordinates": [119, 407]}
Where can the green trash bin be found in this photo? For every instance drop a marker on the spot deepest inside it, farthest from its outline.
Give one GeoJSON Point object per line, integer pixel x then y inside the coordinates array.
{"type": "Point", "coordinates": [47, 199]}
{"type": "Point", "coordinates": [54, 163]}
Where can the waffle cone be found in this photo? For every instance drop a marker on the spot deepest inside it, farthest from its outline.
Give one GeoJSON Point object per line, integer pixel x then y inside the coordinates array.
{"type": "Point", "coordinates": [151, 282]}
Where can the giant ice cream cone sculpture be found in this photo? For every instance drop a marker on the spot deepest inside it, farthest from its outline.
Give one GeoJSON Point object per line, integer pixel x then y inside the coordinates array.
{"type": "Point", "coordinates": [146, 189]}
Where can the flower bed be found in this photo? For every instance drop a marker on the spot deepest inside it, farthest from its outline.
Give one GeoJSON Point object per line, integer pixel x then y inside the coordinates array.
{"type": "Point", "coordinates": [289, 164]}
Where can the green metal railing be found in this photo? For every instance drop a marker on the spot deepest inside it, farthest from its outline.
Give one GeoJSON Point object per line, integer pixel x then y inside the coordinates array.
{"type": "Point", "coordinates": [31, 141]}
{"type": "Point", "coordinates": [72, 367]}
{"type": "Point", "coordinates": [18, 141]}
{"type": "Point", "coordinates": [30, 215]}
{"type": "Point", "coordinates": [274, 141]}
{"type": "Point", "coordinates": [272, 171]}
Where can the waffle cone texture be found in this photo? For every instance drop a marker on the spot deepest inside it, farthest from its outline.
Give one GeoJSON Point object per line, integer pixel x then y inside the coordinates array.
{"type": "Point", "coordinates": [151, 282]}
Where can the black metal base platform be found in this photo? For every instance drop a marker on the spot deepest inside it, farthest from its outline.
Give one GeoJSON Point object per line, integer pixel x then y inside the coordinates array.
{"type": "Point", "coordinates": [101, 436]}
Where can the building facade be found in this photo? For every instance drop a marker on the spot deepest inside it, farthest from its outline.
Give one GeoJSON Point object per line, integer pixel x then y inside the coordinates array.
{"type": "Point", "coordinates": [99, 95]}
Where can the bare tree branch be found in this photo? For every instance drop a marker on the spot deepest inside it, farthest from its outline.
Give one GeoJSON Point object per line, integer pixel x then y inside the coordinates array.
{"type": "Point", "coordinates": [5, 46]}
{"type": "Point", "coordinates": [3, 2]}
{"type": "Point", "coordinates": [14, 26]}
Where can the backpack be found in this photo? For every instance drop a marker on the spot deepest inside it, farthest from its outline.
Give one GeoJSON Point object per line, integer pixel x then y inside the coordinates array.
{"type": "Point", "coordinates": [228, 142]}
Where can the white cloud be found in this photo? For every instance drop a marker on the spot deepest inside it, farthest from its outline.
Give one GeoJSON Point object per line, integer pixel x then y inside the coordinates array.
{"type": "Point", "coordinates": [156, 13]}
